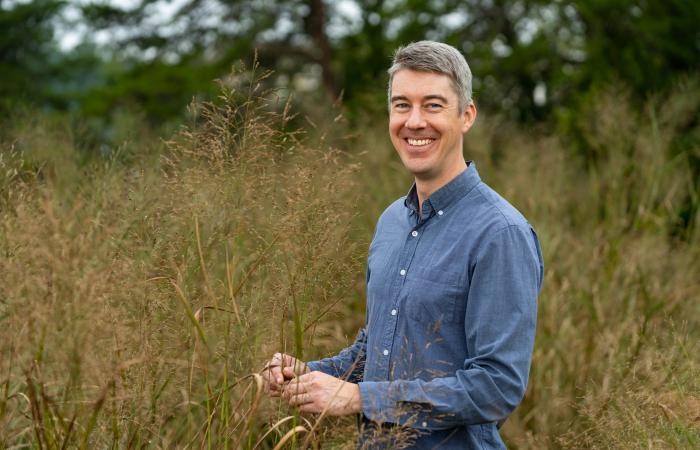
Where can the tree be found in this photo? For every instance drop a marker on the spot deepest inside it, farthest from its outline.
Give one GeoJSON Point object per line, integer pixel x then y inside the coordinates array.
{"type": "Point", "coordinates": [26, 44]}
{"type": "Point", "coordinates": [530, 57]}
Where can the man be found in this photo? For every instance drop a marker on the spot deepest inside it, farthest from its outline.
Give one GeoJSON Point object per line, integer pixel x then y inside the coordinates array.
{"type": "Point", "coordinates": [452, 282]}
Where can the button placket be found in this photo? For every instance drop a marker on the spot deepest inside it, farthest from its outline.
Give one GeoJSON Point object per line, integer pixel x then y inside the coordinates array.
{"type": "Point", "coordinates": [407, 254]}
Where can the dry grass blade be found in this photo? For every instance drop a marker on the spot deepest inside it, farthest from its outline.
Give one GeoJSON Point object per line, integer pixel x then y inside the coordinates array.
{"type": "Point", "coordinates": [229, 283]}
{"type": "Point", "coordinates": [66, 440]}
{"type": "Point", "coordinates": [194, 319]}
{"type": "Point", "coordinates": [99, 403]}
{"type": "Point", "coordinates": [200, 312]}
{"type": "Point", "coordinates": [254, 266]}
{"type": "Point", "coordinates": [272, 429]}
{"type": "Point", "coordinates": [188, 311]}
{"type": "Point", "coordinates": [37, 417]}
{"type": "Point", "coordinates": [259, 389]}
{"type": "Point", "coordinates": [290, 434]}
{"type": "Point", "coordinates": [203, 266]}
{"type": "Point", "coordinates": [198, 356]}
{"type": "Point", "coordinates": [320, 315]}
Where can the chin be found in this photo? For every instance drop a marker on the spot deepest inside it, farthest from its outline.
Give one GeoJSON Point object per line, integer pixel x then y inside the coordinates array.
{"type": "Point", "coordinates": [418, 170]}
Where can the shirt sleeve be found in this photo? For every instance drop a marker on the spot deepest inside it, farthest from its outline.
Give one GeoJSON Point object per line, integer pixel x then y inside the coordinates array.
{"type": "Point", "coordinates": [349, 364]}
{"type": "Point", "coordinates": [499, 325]}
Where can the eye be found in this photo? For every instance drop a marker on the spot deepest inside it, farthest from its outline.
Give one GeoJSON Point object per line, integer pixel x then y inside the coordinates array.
{"type": "Point", "coordinates": [401, 106]}
{"type": "Point", "coordinates": [434, 106]}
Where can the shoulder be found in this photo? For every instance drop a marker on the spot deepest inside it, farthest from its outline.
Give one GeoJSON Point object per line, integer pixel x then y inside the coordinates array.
{"type": "Point", "coordinates": [495, 211]}
{"type": "Point", "coordinates": [488, 219]}
{"type": "Point", "coordinates": [392, 213]}
{"type": "Point", "coordinates": [504, 229]}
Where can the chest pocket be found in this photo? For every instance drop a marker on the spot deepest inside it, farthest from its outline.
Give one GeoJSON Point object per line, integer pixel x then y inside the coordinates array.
{"type": "Point", "coordinates": [434, 296]}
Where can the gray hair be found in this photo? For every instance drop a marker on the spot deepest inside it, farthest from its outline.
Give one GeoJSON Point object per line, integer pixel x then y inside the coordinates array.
{"type": "Point", "coordinates": [431, 56]}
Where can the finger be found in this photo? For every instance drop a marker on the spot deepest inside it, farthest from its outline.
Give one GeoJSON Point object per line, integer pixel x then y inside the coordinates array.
{"type": "Point", "coordinates": [272, 389]}
{"type": "Point", "coordinates": [288, 372]}
{"type": "Point", "coordinates": [294, 388]}
{"type": "Point", "coordinates": [277, 374]}
{"type": "Point", "coordinates": [300, 399]}
{"type": "Point", "coordinates": [290, 361]}
{"type": "Point", "coordinates": [307, 377]}
{"type": "Point", "coordinates": [309, 408]}
{"type": "Point", "coordinates": [272, 375]}
{"type": "Point", "coordinates": [265, 372]}
{"type": "Point", "coordinates": [276, 361]}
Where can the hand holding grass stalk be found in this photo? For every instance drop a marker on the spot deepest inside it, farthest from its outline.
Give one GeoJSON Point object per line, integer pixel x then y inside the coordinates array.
{"type": "Point", "coordinates": [317, 392]}
{"type": "Point", "coordinates": [274, 375]}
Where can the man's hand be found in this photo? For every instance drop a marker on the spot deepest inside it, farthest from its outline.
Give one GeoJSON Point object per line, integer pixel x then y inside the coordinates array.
{"type": "Point", "coordinates": [274, 377]}
{"type": "Point", "coordinates": [316, 391]}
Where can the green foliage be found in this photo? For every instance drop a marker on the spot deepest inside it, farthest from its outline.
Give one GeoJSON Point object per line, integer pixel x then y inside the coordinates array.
{"type": "Point", "coordinates": [645, 45]}
{"type": "Point", "coordinates": [25, 45]}
{"type": "Point", "coordinates": [533, 60]}
{"type": "Point", "coordinates": [157, 89]}
{"type": "Point", "coordinates": [562, 48]}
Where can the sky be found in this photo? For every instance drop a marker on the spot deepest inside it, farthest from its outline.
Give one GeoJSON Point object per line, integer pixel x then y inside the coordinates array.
{"type": "Point", "coordinates": [72, 32]}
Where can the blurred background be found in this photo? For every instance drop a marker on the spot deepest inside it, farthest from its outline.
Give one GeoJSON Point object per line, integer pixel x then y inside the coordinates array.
{"type": "Point", "coordinates": [188, 186]}
{"type": "Point", "coordinates": [533, 61]}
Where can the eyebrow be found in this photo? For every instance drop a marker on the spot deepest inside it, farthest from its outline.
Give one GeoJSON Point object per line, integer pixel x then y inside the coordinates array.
{"type": "Point", "coordinates": [427, 97]}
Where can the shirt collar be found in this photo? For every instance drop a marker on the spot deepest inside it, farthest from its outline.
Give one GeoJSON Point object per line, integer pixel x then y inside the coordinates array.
{"type": "Point", "coordinates": [454, 190]}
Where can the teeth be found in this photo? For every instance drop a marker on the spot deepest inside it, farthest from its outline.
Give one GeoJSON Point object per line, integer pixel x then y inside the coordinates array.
{"type": "Point", "coordinates": [420, 141]}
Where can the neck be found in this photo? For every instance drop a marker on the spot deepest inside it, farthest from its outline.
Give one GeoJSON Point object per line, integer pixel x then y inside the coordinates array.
{"type": "Point", "coordinates": [425, 186]}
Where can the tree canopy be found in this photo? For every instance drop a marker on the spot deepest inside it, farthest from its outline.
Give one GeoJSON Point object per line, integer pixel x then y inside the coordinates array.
{"type": "Point", "coordinates": [530, 57]}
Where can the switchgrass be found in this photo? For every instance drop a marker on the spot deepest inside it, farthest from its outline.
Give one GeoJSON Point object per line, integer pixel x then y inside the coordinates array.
{"type": "Point", "coordinates": [140, 296]}
{"type": "Point", "coordinates": [139, 301]}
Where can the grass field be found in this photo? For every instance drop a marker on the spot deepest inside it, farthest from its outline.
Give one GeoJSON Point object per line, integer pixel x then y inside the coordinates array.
{"type": "Point", "coordinates": [143, 285]}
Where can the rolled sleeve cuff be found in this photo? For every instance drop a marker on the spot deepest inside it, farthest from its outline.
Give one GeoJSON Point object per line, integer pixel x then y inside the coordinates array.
{"type": "Point", "coordinates": [320, 367]}
{"type": "Point", "coordinates": [385, 402]}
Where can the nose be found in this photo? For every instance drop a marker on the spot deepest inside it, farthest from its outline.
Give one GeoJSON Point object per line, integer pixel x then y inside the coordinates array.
{"type": "Point", "coordinates": [415, 119]}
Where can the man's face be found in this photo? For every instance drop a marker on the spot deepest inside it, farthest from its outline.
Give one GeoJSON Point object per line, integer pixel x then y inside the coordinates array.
{"type": "Point", "coordinates": [425, 124]}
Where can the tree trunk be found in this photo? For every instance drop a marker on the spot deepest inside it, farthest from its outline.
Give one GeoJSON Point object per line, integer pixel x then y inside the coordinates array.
{"type": "Point", "coordinates": [315, 24]}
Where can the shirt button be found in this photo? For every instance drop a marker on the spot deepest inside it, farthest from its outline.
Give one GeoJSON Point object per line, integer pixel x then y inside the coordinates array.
{"type": "Point", "coordinates": [425, 424]}
{"type": "Point", "coordinates": [386, 352]}
{"type": "Point", "coordinates": [440, 213]}
{"type": "Point", "coordinates": [414, 233]}
{"type": "Point", "coordinates": [402, 272]}
{"type": "Point", "coordinates": [393, 312]}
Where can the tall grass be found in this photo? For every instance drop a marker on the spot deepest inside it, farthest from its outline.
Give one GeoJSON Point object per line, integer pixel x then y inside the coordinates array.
{"type": "Point", "coordinates": [140, 296]}
{"type": "Point", "coordinates": [139, 301]}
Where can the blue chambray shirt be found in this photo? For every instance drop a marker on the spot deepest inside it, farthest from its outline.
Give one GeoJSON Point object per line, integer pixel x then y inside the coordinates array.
{"type": "Point", "coordinates": [451, 311]}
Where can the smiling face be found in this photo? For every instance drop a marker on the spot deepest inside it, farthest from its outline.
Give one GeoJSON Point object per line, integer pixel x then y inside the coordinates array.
{"type": "Point", "coordinates": [426, 126]}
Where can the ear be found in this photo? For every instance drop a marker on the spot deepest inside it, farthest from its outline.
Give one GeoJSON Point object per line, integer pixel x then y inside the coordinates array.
{"type": "Point", "coordinates": [468, 117]}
